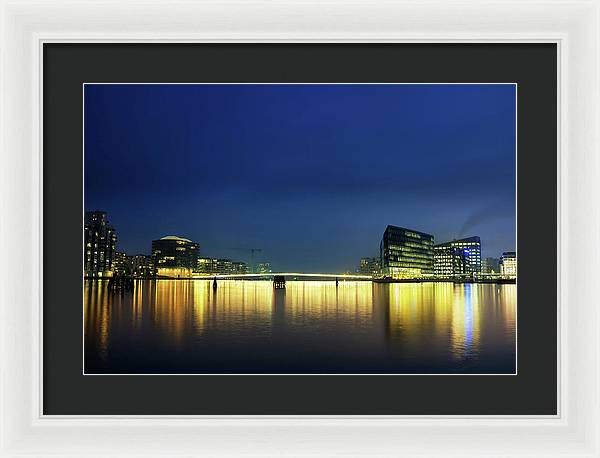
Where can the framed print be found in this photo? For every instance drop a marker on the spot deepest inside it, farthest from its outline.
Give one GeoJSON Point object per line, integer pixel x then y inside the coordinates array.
{"type": "Point", "coordinates": [266, 166]}
{"type": "Point", "coordinates": [234, 222]}
{"type": "Point", "coordinates": [252, 274]}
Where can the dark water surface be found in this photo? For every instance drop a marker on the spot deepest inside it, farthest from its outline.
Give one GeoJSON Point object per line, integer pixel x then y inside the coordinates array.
{"type": "Point", "coordinates": [311, 327]}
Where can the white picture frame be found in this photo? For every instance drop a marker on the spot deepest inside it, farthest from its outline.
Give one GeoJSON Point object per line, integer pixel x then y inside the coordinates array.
{"type": "Point", "coordinates": [573, 25]}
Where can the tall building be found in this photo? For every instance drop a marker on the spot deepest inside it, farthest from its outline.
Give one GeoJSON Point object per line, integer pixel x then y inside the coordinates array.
{"type": "Point", "coordinates": [406, 253]}
{"type": "Point", "coordinates": [458, 258]}
{"type": "Point", "coordinates": [490, 266]}
{"type": "Point", "coordinates": [174, 256]}
{"type": "Point", "coordinates": [369, 266]}
{"type": "Point", "coordinates": [99, 243]}
{"type": "Point", "coordinates": [141, 266]}
{"type": "Point", "coordinates": [448, 261]}
{"type": "Point", "coordinates": [508, 264]}
{"type": "Point", "coordinates": [121, 266]}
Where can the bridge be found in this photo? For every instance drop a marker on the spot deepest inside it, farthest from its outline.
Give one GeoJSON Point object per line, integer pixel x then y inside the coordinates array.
{"type": "Point", "coordinates": [283, 274]}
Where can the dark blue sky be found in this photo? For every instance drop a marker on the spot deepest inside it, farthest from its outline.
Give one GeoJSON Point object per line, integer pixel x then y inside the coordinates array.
{"type": "Point", "coordinates": [312, 174]}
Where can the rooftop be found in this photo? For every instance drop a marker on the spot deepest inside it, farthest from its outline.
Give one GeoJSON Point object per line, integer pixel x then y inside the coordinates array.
{"type": "Point", "coordinates": [474, 239]}
{"type": "Point", "coordinates": [399, 228]}
{"type": "Point", "coordinates": [174, 237]}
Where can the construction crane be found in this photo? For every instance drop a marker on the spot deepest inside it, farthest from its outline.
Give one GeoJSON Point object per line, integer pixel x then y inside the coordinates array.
{"type": "Point", "coordinates": [252, 251]}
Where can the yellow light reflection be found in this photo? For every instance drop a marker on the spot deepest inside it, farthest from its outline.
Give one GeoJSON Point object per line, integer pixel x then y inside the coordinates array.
{"type": "Point", "coordinates": [240, 302]}
{"type": "Point", "coordinates": [350, 301]}
{"type": "Point", "coordinates": [436, 316]}
{"type": "Point", "coordinates": [406, 323]}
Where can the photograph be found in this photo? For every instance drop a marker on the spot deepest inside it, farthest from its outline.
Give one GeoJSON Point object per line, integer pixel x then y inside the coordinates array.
{"type": "Point", "coordinates": [299, 229]}
{"type": "Point", "coordinates": [278, 229]}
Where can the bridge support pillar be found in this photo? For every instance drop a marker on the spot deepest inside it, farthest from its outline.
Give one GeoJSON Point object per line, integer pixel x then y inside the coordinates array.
{"type": "Point", "coordinates": [279, 282]}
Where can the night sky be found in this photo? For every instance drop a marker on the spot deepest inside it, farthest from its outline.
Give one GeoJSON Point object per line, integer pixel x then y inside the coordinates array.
{"type": "Point", "coordinates": [311, 174]}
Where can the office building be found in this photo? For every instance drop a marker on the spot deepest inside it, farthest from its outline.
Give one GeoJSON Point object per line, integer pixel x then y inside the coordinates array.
{"type": "Point", "coordinates": [239, 267]}
{"type": "Point", "coordinates": [99, 242]}
{"type": "Point", "coordinates": [369, 266]}
{"type": "Point", "coordinates": [447, 260]}
{"type": "Point", "coordinates": [224, 266]}
{"type": "Point", "coordinates": [458, 258]}
{"type": "Point", "coordinates": [508, 264]}
{"type": "Point", "coordinates": [220, 266]}
{"type": "Point", "coordinates": [206, 266]}
{"type": "Point", "coordinates": [141, 266]}
{"type": "Point", "coordinates": [120, 265]}
{"type": "Point", "coordinates": [406, 253]}
{"type": "Point", "coordinates": [490, 266]}
{"type": "Point", "coordinates": [174, 257]}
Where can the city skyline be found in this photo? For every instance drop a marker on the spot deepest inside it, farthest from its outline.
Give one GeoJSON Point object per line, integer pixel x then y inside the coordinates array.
{"type": "Point", "coordinates": [210, 255]}
{"type": "Point", "coordinates": [300, 229]}
{"type": "Point", "coordinates": [204, 254]}
{"type": "Point", "coordinates": [290, 169]}
{"type": "Point", "coordinates": [453, 259]}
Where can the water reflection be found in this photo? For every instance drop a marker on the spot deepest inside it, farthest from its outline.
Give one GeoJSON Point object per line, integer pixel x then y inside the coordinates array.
{"type": "Point", "coordinates": [184, 326]}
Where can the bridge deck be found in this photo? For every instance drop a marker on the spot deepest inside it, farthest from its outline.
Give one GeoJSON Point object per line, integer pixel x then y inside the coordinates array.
{"type": "Point", "coordinates": [287, 274]}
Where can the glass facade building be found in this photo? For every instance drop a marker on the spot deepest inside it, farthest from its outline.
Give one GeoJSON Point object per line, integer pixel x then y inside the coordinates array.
{"type": "Point", "coordinates": [141, 266]}
{"type": "Point", "coordinates": [490, 266]}
{"type": "Point", "coordinates": [121, 266]}
{"type": "Point", "coordinates": [406, 253]}
{"type": "Point", "coordinates": [100, 241]}
{"type": "Point", "coordinates": [369, 266]}
{"type": "Point", "coordinates": [217, 266]}
{"type": "Point", "coordinates": [174, 256]}
{"type": "Point", "coordinates": [508, 264]}
{"type": "Point", "coordinates": [458, 258]}
{"type": "Point", "coordinates": [206, 266]}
